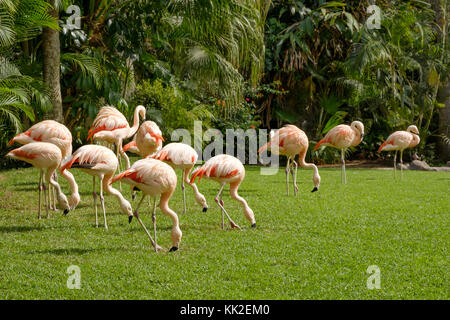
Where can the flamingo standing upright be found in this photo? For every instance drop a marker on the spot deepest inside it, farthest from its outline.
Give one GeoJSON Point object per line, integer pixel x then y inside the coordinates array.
{"type": "Point", "coordinates": [401, 140]}
{"type": "Point", "coordinates": [111, 126]}
{"type": "Point", "coordinates": [181, 156]}
{"type": "Point", "coordinates": [149, 139]}
{"type": "Point", "coordinates": [341, 137]}
{"type": "Point", "coordinates": [101, 162]}
{"type": "Point", "coordinates": [154, 178]}
{"type": "Point", "coordinates": [53, 132]}
{"type": "Point", "coordinates": [43, 155]}
{"type": "Point", "coordinates": [290, 141]}
{"type": "Point", "coordinates": [226, 169]}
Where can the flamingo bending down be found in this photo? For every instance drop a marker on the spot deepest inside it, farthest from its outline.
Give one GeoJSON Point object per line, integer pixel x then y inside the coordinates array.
{"type": "Point", "coordinates": [43, 155]}
{"type": "Point", "coordinates": [181, 156]}
{"type": "Point", "coordinates": [341, 137]}
{"type": "Point", "coordinates": [111, 126]}
{"type": "Point", "coordinates": [154, 178]}
{"type": "Point", "coordinates": [56, 133]}
{"type": "Point", "coordinates": [226, 169]}
{"type": "Point", "coordinates": [401, 140]}
{"type": "Point", "coordinates": [290, 141]}
{"type": "Point", "coordinates": [101, 162]}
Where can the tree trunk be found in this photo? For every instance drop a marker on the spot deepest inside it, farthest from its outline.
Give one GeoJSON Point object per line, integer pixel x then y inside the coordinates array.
{"type": "Point", "coordinates": [51, 68]}
{"type": "Point", "coordinates": [444, 90]}
{"type": "Point", "coordinates": [444, 122]}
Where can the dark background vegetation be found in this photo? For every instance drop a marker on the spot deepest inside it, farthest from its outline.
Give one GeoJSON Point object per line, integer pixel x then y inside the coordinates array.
{"type": "Point", "coordinates": [231, 64]}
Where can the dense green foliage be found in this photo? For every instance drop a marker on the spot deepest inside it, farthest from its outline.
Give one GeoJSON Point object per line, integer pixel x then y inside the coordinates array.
{"type": "Point", "coordinates": [315, 246]}
{"type": "Point", "coordinates": [233, 64]}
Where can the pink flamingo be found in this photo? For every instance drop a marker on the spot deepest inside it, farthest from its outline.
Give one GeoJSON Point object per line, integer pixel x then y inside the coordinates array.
{"type": "Point", "coordinates": [290, 141]}
{"type": "Point", "coordinates": [181, 156]}
{"type": "Point", "coordinates": [226, 169]}
{"type": "Point", "coordinates": [149, 139]}
{"type": "Point", "coordinates": [43, 155]}
{"type": "Point", "coordinates": [131, 147]}
{"type": "Point", "coordinates": [341, 137]}
{"type": "Point", "coordinates": [101, 162]}
{"type": "Point", "coordinates": [111, 126]}
{"type": "Point", "coordinates": [154, 178]}
{"type": "Point", "coordinates": [53, 132]}
{"type": "Point", "coordinates": [401, 140]}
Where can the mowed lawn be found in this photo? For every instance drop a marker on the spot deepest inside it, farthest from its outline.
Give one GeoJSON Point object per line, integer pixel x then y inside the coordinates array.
{"type": "Point", "coordinates": [313, 246]}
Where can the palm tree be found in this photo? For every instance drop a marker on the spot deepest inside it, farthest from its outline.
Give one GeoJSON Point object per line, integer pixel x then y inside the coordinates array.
{"type": "Point", "coordinates": [20, 20]}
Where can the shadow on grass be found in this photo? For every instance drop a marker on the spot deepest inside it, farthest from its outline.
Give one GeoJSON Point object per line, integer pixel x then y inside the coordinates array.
{"type": "Point", "coordinates": [75, 251]}
{"type": "Point", "coordinates": [10, 229]}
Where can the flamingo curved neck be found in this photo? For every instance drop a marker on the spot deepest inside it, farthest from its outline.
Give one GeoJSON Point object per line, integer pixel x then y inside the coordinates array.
{"type": "Point", "coordinates": [135, 126]}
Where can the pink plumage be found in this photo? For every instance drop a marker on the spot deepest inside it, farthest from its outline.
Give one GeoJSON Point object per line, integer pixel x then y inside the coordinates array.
{"type": "Point", "coordinates": [149, 139]}
{"type": "Point", "coordinates": [290, 141]}
{"type": "Point", "coordinates": [399, 141]}
{"type": "Point", "coordinates": [181, 156]}
{"type": "Point", "coordinates": [56, 133]}
{"type": "Point", "coordinates": [225, 169]}
{"type": "Point", "coordinates": [342, 137]}
{"type": "Point", "coordinates": [101, 162]}
{"type": "Point", "coordinates": [154, 178]}
{"type": "Point", "coordinates": [43, 155]}
{"type": "Point", "coordinates": [111, 126]}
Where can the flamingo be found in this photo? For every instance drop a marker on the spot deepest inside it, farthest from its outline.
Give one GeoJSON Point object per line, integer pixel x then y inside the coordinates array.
{"type": "Point", "coordinates": [290, 141]}
{"type": "Point", "coordinates": [43, 155]}
{"type": "Point", "coordinates": [155, 178]}
{"type": "Point", "coordinates": [111, 126]}
{"type": "Point", "coordinates": [341, 137]}
{"type": "Point", "coordinates": [53, 132]}
{"type": "Point", "coordinates": [131, 147]}
{"type": "Point", "coordinates": [101, 162]}
{"type": "Point", "coordinates": [181, 156]}
{"type": "Point", "coordinates": [401, 140]}
{"type": "Point", "coordinates": [148, 139]}
{"type": "Point", "coordinates": [226, 169]}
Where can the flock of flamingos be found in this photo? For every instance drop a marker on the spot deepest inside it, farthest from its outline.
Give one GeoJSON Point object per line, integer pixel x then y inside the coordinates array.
{"type": "Point", "coordinates": [48, 145]}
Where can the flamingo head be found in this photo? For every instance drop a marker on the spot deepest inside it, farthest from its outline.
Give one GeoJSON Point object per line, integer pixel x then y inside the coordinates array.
{"type": "Point", "coordinates": [201, 200]}
{"type": "Point", "coordinates": [413, 129]}
{"type": "Point", "coordinates": [316, 180]}
{"type": "Point", "coordinates": [125, 206]}
{"type": "Point", "coordinates": [142, 111]}
{"type": "Point", "coordinates": [358, 126]}
{"type": "Point", "coordinates": [74, 200]}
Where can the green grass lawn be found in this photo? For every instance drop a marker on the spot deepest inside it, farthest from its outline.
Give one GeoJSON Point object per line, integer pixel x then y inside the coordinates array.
{"type": "Point", "coordinates": [313, 246]}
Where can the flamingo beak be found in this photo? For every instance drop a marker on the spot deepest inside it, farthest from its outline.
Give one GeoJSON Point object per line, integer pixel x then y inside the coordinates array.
{"type": "Point", "coordinates": [130, 218]}
{"type": "Point", "coordinates": [362, 136]}
{"type": "Point", "coordinates": [173, 249]}
{"type": "Point", "coordinates": [66, 211]}
{"type": "Point", "coordinates": [315, 189]}
{"type": "Point", "coordinates": [205, 209]}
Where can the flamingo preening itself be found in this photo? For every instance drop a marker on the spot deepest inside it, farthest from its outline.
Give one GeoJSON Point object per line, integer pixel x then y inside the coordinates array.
{"type": "Point", "coordinates": [226, 169]}
{"type": "Point", "coordinates": [43, 155]}
{"type": "Point", "coordinates": [341, 137]}
{"type": "Point", "coordinates": [111, 126]}
{"type": "Point", "coordinates": [181, 156]}
{"type": "Point", "coordinates": [154, 178]}
{"type": "Point", "coordinates": [56, 133]}
{"type": "Point", "coordinates": [401, 140]}
{"type": "Point", "coordinates": [149, 139]}
{"type": "Point", "coordinates": [100, 162]}
{"type": "Point", "coordinates": [290, 141]}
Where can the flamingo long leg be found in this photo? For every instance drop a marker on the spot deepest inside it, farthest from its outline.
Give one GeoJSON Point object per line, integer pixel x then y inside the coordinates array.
{"type": "Point", "coordinates": [395, 165]}
{"type": "Point", "coordinates": [343, 175]}
{"type": "Point", "coordinates": [184, 191]}
{"type": "Point", "coordinates": [294, 176]}
{"type": "Point", "coordinates": [287, 175]}
{"type": "Point", "coordinates": [154, 220]}
{"type": "Point", "coordinates": [102, 200]}
{"type": "Point", "coordinates": [401, 164]}
{"type": "Point", "coordinates": [40, 193]}
{"type": "Point", "coordinates": [217, 199]}
{"type": "Point", "coordinates": [46, 197]}
{"type": "Point", "coordinates": [94, 194]}
{"type": "Point", "coordinates": [119, 166]}
{"type": "Point", "coordinates": [143, 226]}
